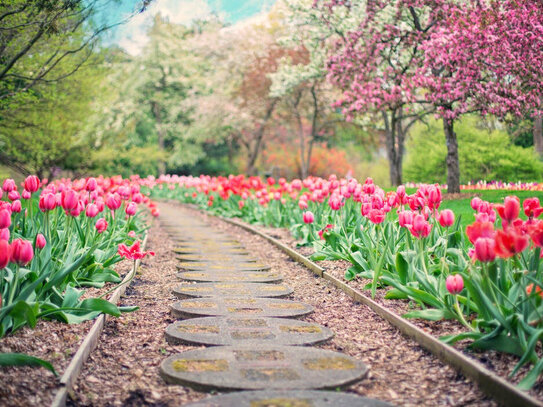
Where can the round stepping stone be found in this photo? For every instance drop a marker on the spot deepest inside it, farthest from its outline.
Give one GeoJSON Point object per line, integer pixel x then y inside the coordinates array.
{"type": "Point", "coordinates": [231, 290]}
{"type": "Point", "coordinates": [268, 367]}
{"type": "Point", "coordinates": [242, 307]}
{"type": "Point", "coordinates": [220, 257]}
{"type": "Point", "coordinates": [292, 398]}
{"type": "Point", "coordinates": [246, 331]}
{"type": "Point", "coordinates": [239, 277]}
{"type": "Point", "coordinates": [222, 266]}
{"type": "Point", "coordinates": [218, 250]}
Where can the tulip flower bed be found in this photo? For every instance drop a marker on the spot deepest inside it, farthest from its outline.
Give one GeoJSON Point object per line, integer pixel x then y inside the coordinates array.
{"type": "Point", "coordinates": [57, 239]}
{"type": "Point", "coordinates": [487, 277]}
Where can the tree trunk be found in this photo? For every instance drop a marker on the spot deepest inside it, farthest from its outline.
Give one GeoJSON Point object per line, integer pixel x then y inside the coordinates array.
{"type": "Point", "coordinates": [394, 145]}
{"type": "Point", "coordinates": [538, 136]}
{"type": "Point", "coordinates": [255, 151]}
{"type": "Point", "coordinates": [453, 166]}
{"type": "Point", "coordinates": [161, 165]}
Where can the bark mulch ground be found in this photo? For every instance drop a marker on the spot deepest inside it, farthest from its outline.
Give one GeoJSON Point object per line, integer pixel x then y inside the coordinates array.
{"type": "Point", "coordinates": [123, 369]}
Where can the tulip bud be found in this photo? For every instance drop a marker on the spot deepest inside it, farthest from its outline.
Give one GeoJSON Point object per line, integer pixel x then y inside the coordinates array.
{"type": "Point", "coordinates": [14, 196]}
{"type": "Point", "coordinates": [454, 284]}
{"type": "Point", "coordinates": [308, 217]}
{"type": "Point", "coordinates": [26, 194]}
{"type": "Point", "coordinates": [16, 206]}
{"type": "Point", "coordinates": [21, 252]}
{"type": "Point", "coordinates": [131, 209]}
{"type": "Point", "coordinates": [5, 219]}
{"type": "Point", "coordinates": [32, 184]}
{"type": "Point", "coordinates": [485, 249]}
{"type": "Point", "coordinates": [91, 184]}
{"type": "Point", "coordinates": [40, 241]}
{"type": "Point", "coordinates": [5, 253]}
{"type": "Point", "coordinates": [446, 218]}
{"type": "Point", "coordinates": [101, 225]}
{"type": "Point", "coordinates": [9, 185]}
{"type": "Point", "coordinates": [91, 211]}
{"type": "Point", "coordinates": [4, 234]}
{"type": "Point", "coordinates": [511, 208]}
{"type": "Point", "coordinates": [476, 203]}
{"type": "Point", "coordinates": [69, 199]}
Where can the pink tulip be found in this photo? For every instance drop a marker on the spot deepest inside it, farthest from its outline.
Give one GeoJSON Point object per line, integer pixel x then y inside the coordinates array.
{"type": "Point", "coordinates": [131, 209]}
{"type": "Point", "coordinates": [47, 202]}
{"type": "Point", "coordinates": [485, 249]}
{"type": "Point", "coordinates": [302, 204]}
{"type": "Point", "coordinates": [376, 216]}
{"type": "Point", "coordinates": [420, 227]}
{"type": "Point", "coordinates": [9, 185]}
{"type": "Point", "coordinates": [113, 201]}
{"type": "Point", "coordinates": [446, 218]}
{"type": "Point", "coordinates": [5, 219]}
{"type": "Point", "coordinates": [91, 211]}
{"type": "Point", "coordinates": [101, 225]}
{"type": "Point", "coordinates": [91, 184]}
{"type": "Point", "coordinates": [26, 194]}
{"type": "Point", "coordinates": [454, 284]}
{"type": "Point", "coordinates": [476, 203]}
{"type": "Point", "coordinates": [14, 195]}
{"type": "Point", "coordinates": [5, 253]}
{"type": "Point", "coordinates": [69, 200]}
{"type": "Point", "coordinates": [32, 184]}
{"type": "Point", "coordinates": [21, 252]}
{"type": "Point", "coordinates": [4, 234]}
{"type": "Point", "coordinates": [308, 217]}
{"type": "Point", "coordinates": [16, 206]}
{"type": "Point", "coordinates": [40, 241]}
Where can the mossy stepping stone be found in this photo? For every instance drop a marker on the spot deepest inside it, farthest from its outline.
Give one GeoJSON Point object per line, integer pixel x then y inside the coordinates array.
{"type": "Point", "coordinates": [220, 257]}
{"type": "Point", "coordinates": [231, 290]}
{"type": "Point", "coordinates": [242, 307]}
{"type": "Point", "coordinates": [268, 367]}
{"type": "Point", "coordinates": [286, 398]}
{"type": "Point", "coordinates": [239, 276]}
{"type": "Point", "coordinates": [222, 266]}
{"type": "Point", "coordinates": [218, 250]}
{"type": "Point", "coordinates": [246, 331]}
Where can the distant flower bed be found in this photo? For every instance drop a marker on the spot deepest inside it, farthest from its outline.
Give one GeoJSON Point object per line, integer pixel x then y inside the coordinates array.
{"type": "Point", "coordinates": [488, 278]}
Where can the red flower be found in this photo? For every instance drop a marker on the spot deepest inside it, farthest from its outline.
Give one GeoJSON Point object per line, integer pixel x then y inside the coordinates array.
{"type": "Point", "coordinates": [532, 208]}
{"type": "Point", "coordinates": [446, 218]}
{"type": "Point", "coordinates": [5, 253]}
{"type": "Point", "coordinates": [510, 242]}
{"type": "Point", "coordinates": [376, 216]}
{"type": "Point", "coordinates": [535, 231]}
{"type": "Point", "coordinates": [454, 284]}
{"type": "Point", "coordinates": [32, 183]}
{"type": "Point", "coordinates": [133, 252]}
{"type": "Point", "coordinates": [479, 229]}
{"type": "Point", "coordinates": [510, 209]}
{"type": "Point", "coordinates": [21, 252]}
{"type": "Point", "coordinates": [485, 249]}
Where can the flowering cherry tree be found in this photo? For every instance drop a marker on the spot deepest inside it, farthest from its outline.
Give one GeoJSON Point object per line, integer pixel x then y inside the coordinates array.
{"type": "Point", "coordinates": [484, 57]}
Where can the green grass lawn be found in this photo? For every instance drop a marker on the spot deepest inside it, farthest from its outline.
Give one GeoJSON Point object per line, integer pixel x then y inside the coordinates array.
{"type": "Point", "coordinates": [461, 207]}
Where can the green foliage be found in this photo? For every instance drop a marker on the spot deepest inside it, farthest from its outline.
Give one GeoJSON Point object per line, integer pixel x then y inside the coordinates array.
{"type": "Point", "coordinates": [484, 154]}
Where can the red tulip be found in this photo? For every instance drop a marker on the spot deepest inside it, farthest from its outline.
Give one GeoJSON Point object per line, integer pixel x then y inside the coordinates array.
{"type": "Point", "coordinates": [446, 218]}
{"type": "Point", "coordinates": [5, 219]}
{"type": "Point", "coordinates": [309, 217]}
{"type": "Point", "coordinates": [32, 183]}
{"type": "Point", "coordinates": [485, 249]}
{"type": "Point", "coordinates": [535, 230]}
{"type": "Point", "coordinates": [9, 185]}
{"type": "Point", "coordinates": [510, 242]}
{"type": "Point", "coordinates": [454, 284]}
{"type": "Point", "coordinates": [155, 212]}
{"type": "Point", "coordinates": [40, 241]}
{"type": "Point", "coordinates": [133, 252]}
{"type": "Point", "coordinates": [101, 225]}
{"type": "Point", "coordinates": [479, 229]}
{"type": "Point", "coordinates": [21, 252]}
{"type": "Point", "coordinates": [5, 253]}
{"type": "Point", "coordinates": [510, 209]}
{"type": "Point", "coordinates": [434, 197]}
{"type": "Point", "coordinates": [532, 208]}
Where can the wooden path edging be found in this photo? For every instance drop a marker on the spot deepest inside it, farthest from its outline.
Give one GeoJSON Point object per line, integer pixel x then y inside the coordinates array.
{"type": "Point", "coordinates": [90, 342]}
{"type": "Point", "coordinates": [503, 392]}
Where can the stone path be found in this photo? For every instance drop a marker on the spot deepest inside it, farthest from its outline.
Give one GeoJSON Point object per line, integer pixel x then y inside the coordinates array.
{"type": "Point", "coordinates": [227, 302]}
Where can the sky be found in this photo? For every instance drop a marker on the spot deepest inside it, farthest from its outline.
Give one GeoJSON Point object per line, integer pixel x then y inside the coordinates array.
{"type": "Point", "coordinates": [132, 35]}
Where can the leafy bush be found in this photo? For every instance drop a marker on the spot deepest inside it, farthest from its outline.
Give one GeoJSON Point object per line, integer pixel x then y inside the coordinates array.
{"type": "Point", "coordinates": [484, 154]}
